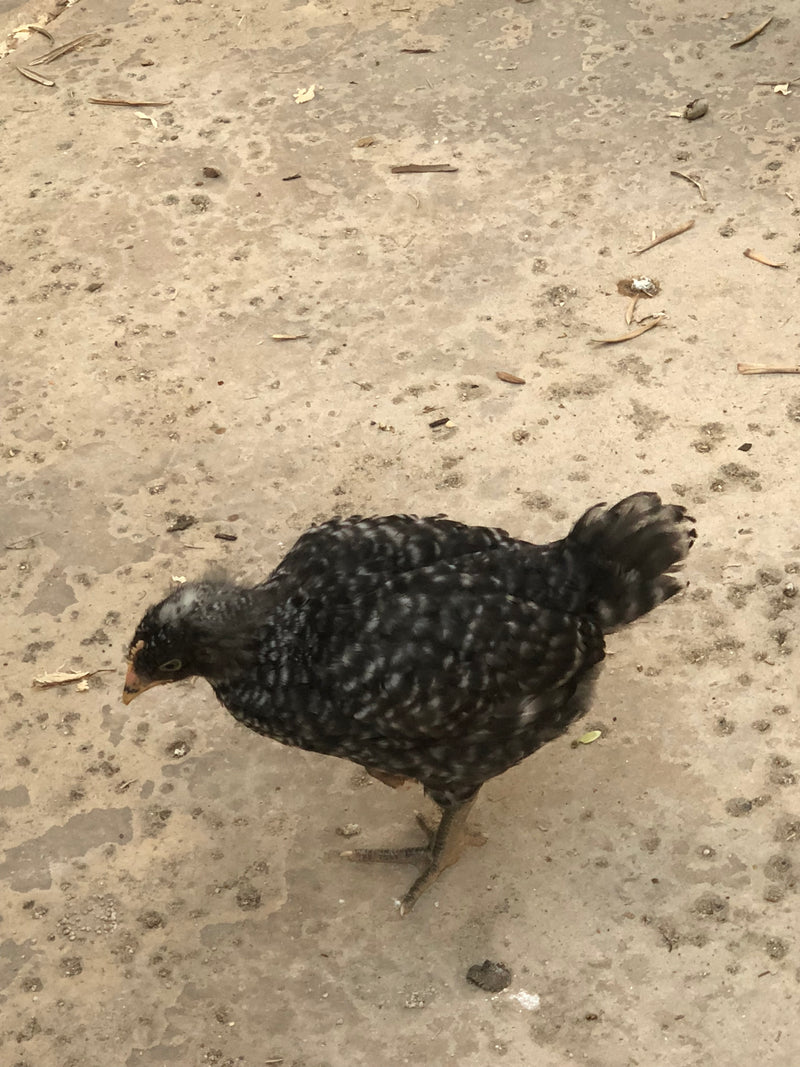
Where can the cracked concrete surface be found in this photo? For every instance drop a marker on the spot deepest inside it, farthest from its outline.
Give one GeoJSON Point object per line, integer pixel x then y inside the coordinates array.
{"type": "Point", "coordinates": [170, 891]}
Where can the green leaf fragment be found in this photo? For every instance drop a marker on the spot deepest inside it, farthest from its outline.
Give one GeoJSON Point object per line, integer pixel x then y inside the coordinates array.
{"type": "Point", "coordinates": [591, 735]}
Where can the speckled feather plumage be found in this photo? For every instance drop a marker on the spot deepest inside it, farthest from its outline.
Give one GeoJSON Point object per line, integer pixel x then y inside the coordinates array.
{"type": "Point", "coordinates": [420, 646]}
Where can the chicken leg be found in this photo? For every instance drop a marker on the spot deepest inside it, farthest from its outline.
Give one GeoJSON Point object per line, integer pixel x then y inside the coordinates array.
{"type": "Point", "coordinates": [444, 848]}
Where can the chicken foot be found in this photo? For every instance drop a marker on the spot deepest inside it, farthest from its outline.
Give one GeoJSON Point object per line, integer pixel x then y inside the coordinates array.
{"type": "Point", "coordinates": [445, 844]}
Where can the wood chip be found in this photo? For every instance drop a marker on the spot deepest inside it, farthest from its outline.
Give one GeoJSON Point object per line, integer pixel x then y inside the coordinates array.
{"type": "Point", "coordinates": [291, 177]}
{"type": "Point", "coordinates": [766, 368]}
{"type": "Point", "coordinates": [512, 379]}
{"type": "Point", "coordinates": [416, 51]}
{"type": "Point", "coordinates": [627, 336]}
{"type": "Point", "coordinates": [62, 50]}
{"type": "Point", "coordinates": [226, 537]}
{"type": "Point", "coordinates": [116, 101]}
{"type": "Point", "coordinates": [630, 309]}
{"type": "Point", "coordinates": [424, 168]}
{"type": "Point", "coordinates": [664, 237]}
{"type": "Point", "coordinates": [753, 33]}
{"type": "Point", "coordinates": [288, 336]}
{"type": "Point", "coordinates": [34, 77]}
{"type": "Point", "coordinates": [691, 180]}
{"type": "Point", "coordinates": [439, 422]}
{"type": "Point", "coordinates": [758, 258]}
{"type": "Point", "coordinates": [47, 681]}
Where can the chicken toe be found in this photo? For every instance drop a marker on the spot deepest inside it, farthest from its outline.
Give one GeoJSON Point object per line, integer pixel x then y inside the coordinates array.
{"type": "Point", "coordinates": [444, 848]}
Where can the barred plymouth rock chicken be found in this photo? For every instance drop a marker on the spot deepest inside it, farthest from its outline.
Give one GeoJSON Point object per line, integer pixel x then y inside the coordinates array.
{"type": "Point", "coordinates": [419, 648]}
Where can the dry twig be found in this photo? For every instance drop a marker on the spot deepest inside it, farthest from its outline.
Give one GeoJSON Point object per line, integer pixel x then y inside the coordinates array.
{"type": "Point", "coordinates": [766, 368]}
{"type": "Point", "coordinates": [758, 258]}
{"type": "Point", "coordinates": [424, 168]}
{"type": "Point", "coordinates": [691, 180]}
{"type": "Point", "coordinates": [115, 101]}
{"type": "Point", "coordinates": [627, 336]}
{"type": "Point", "coordinates": [753, 33]}
{"type": "Point", "coordinates": [664, 237]}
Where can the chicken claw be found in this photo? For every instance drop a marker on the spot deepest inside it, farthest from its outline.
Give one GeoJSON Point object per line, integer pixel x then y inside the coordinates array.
{"type": "Point", "coordinates": [445, 844]}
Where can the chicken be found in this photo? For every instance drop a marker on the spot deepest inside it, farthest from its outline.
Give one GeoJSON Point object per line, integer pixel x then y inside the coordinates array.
{"type": "Point", "coordinates": [419, 648]}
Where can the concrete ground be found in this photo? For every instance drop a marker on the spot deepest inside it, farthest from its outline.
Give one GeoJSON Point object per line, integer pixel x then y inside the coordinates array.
{"type": "Point", "coordinates": [170, 890]}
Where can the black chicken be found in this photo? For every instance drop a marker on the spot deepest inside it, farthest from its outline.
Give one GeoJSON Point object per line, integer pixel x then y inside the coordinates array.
{"type": "Point", "coordinates": [419, 648]}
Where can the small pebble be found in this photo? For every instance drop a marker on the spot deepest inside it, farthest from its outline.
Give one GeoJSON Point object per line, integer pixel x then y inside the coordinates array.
{"type": "Point", "coordinates": [489, 976]}
{"type": "Point", "coordinates": [695, 109]}
{"type": "Point", "coordinates": [351, 829]}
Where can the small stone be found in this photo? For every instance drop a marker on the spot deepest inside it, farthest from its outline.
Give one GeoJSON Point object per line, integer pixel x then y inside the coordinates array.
{"type": "Point", "coordinates": [71, 965]}
{"type": "Point", "coordinates": [695, 109]}
{"type": "Point", "coordinates": [211, 172]}
{"type": "Point", "coordinates": [350, 829]}
{"type": "Point", "coordinates": [492, 977]}
{"type": "Point", "coordinates": [739, 806]}
{"type": "Point", "coordinates": [180, 522]}
{"type": "Point", "coordinates": [94, 287]}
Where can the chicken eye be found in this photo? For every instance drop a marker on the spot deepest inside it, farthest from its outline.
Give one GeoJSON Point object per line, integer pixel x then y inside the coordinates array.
{"type": "Point", "coordinates": [171, 665]}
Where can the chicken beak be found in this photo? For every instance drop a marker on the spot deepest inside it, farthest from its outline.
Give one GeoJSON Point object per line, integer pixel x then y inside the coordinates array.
{"type": "Point", "coordinates": [134, 685]}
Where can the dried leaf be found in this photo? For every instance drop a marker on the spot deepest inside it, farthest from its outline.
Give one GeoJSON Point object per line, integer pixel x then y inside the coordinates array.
{"type": "Point", "coordinates": [302, 96]}
{"type": "Point", "coordinates": [758, 258]}
{"type": "Point", "coordinates": [424, 168]}
{"type": "Point", "coordinates": [589, 736]}
{"type": "Point", "coordinates": [627, 336]}
{"type": "Point", "coordinates": [47, 681]}
{"type": "Point", "coordinates": [34, 77]}
{"type": "Point", "coordinates": [512, 379]}
{"type": "Point", "coordinates": [42, 31]}
{"type": "Point", "coordinates": [62, 50]}
{"type": "Point", "coordinates": [288, 336]}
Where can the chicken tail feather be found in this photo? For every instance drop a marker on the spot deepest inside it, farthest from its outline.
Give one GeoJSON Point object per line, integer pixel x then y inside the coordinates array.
{"type": "Point", "coordinates": [634, 549]}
